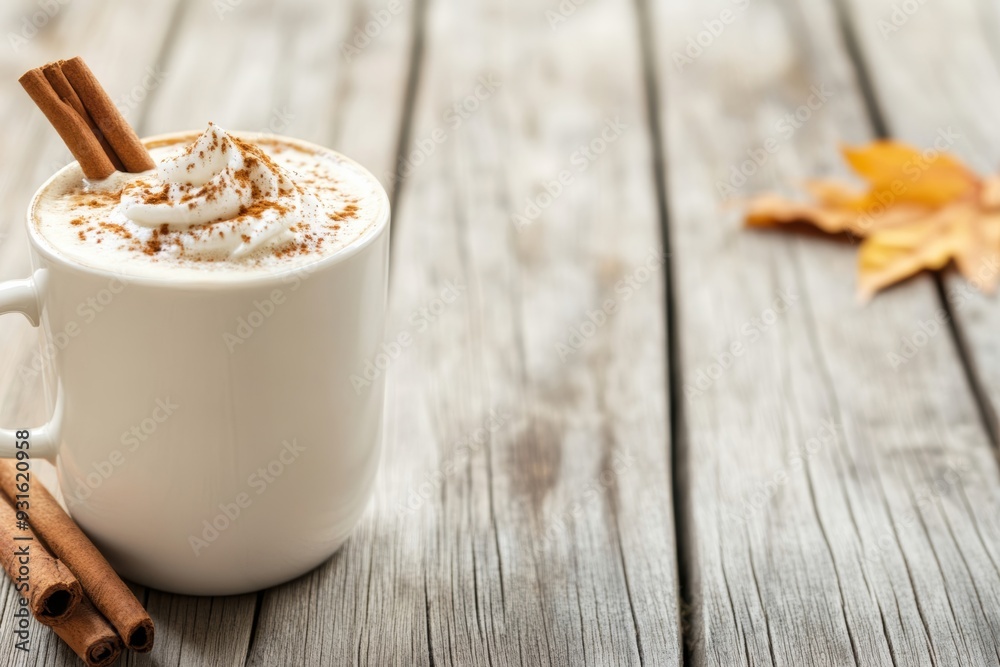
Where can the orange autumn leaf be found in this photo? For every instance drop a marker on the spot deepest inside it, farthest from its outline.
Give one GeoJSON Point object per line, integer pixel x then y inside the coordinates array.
{"type": "Point", "coordinates": [920, 211]}
{"type": "Point", "coordinates": [933, 178]}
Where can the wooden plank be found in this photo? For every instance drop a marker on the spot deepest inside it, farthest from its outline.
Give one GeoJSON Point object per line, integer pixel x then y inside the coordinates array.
{"type": "Point", "coordinates": [104, 35]}
{"type": "Point", "coordinates": [349, 95]}
{"type": "Point", "coordinates": [834, 509]}
{"type": "Point", "coordinates": [958, 97]}
{"type": "Point", "coordinates": [259, 44]}
{"type": "Point", "coordinates": [198, 630]}
{"type": "Point", "coordinates": [542, 534]}
{"type": "Point", "coordinates": [233, 67]}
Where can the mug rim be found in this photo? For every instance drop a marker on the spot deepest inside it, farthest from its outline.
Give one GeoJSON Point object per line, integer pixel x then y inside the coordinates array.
{"type": "Point", "coordinates": [206, 281]}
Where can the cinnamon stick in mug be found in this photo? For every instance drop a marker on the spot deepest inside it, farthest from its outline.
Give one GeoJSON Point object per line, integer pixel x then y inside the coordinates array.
{"type": "Point", "coordinates": [86, 118]}
{"type": "Point", "coordinates": [109, 119]}
{"type": "Point", "coordinates": [73, 129]}
{"type": "Point", "coordinates": [90, 636]}
{"type": "Point", "coordinates": [64, 89]}
{"type": "Point", "coordinates": [99, 580]}
{"type": "Point", "coordinates": [49, 587]}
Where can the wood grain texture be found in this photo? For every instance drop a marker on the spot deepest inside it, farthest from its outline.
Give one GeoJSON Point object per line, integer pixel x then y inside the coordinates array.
{"type": "Point", "coordinates": [957, 92]}
{"type": "Point", "coordinates": [227, 62]}
{"type": "Point", "coordinates": [280, 70]}
{"type": "Point", "coordinates": [523, 512]}
{"type": "Point", "coordinates": [837, 511]}
{"type": "Point", "coordinates": [120, 41]}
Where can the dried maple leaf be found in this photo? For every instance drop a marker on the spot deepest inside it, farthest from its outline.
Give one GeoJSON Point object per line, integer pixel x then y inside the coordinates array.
{"type": "Point", "coordinates": [920, 211]}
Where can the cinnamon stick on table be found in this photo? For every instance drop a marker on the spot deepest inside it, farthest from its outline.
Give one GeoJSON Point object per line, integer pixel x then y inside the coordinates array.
{"type": "Point", "coordinates": [49, 587]}
{"type": "Point", "coordinates": [99, 580]}
{"type": "Point", "coordinates": [90, 636]}
{"type": "Point", "coordinates": [86, 118]}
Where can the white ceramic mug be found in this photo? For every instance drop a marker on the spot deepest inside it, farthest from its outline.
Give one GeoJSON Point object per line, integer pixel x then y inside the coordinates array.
{"type": "Point", "coordinates": [208, 437]}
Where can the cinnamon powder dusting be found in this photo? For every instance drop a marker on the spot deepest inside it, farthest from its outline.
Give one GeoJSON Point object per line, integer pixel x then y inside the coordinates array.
{"type": "Point", "coordinates": [96, 225]}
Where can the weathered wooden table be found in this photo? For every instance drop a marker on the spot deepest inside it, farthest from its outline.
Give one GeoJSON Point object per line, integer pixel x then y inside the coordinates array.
{"type": "Point", "coordinates": [594, 456]}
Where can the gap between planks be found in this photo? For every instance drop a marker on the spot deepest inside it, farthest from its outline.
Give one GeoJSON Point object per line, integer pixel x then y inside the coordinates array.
{"type": "Point", "coordinates": [880, 128]}
{"type": "Point", "coordinates": [683, 549]}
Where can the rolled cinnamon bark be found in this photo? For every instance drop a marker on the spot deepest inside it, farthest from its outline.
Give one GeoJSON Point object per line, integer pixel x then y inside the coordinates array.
{"type": "Point", "coordinates": [109, 119]}
{"type": "Point", "coordinates": [49, 587]}
{"type": "Point", "coordinates": [99, 580]}
{"type": "Point", "coordinates": [57, 79]}
{"type": "Point", "coordinates": [73, 129]}
{"type": "Point", "coordinates": [90, 636]}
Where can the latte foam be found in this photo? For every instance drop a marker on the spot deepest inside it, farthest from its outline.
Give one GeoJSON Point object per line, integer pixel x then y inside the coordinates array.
{"type": "Point", "coordinates": [218, 205]}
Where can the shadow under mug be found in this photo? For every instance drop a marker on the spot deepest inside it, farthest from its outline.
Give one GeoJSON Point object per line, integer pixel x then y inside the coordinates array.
{"type": "Point", "coordinates": [207, 433]}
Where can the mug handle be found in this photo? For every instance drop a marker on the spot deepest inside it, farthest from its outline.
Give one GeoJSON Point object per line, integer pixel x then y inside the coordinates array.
{"type": "Point", "coordinates": [22, 296]}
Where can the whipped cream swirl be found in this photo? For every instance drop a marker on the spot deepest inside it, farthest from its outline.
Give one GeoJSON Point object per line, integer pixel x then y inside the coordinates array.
{"type": "Point", "coordinates": [227, 197]}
